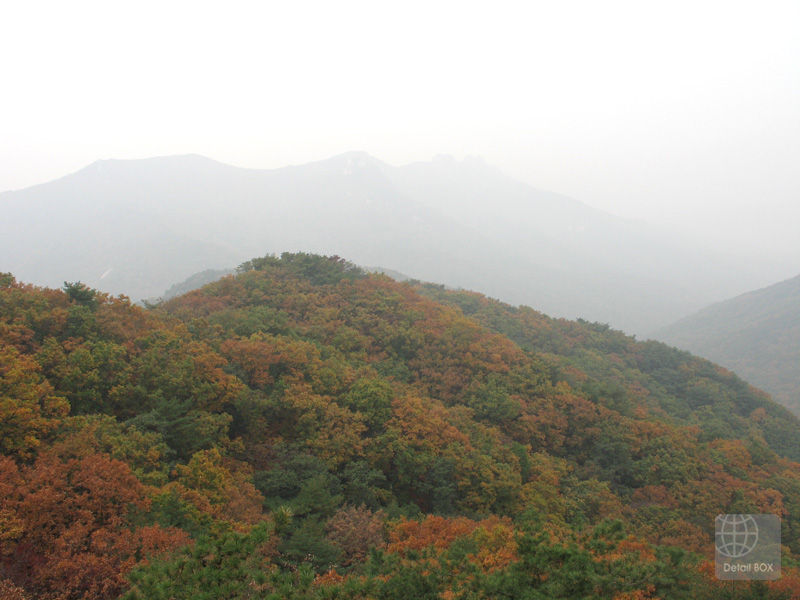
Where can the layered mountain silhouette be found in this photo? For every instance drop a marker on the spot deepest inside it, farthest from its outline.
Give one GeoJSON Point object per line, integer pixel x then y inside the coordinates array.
{"type": "Point", "coordinates": [137, 227]}
{"type": "Point", "coordinates": [756, 334]}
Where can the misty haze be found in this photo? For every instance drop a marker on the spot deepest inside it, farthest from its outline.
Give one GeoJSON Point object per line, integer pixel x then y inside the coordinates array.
{"type": "Point", "coordinates": [427, 300]}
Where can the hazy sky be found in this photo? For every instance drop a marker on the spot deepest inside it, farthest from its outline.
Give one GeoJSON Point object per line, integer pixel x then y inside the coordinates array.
{"type": "Point", "coordinates": [680, 113]}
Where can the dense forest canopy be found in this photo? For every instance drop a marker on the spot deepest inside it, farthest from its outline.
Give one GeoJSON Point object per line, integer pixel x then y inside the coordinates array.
{"type": "Point", "coordinates": [303, 429]}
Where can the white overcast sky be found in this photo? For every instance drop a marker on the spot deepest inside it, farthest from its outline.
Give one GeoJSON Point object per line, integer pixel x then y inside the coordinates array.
{"type": "Point", "coordinates": [679, 113]}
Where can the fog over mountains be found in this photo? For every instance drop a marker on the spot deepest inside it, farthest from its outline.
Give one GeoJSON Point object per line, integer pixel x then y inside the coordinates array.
{"type": "Point", "coordinates": [137, 227]}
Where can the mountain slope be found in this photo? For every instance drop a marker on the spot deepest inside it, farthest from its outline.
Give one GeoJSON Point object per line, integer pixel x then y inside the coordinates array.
{"type": "Point", "coordinates": [609, 269]}
{"type": "Point", "coordinates": [138, 227]}
{"type": "Point", "coordinates": [756, 334]}
{"type": "Point", "coordinates": [307, 430]}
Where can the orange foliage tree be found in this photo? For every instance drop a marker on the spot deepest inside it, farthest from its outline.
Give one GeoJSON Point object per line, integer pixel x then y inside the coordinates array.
{"type": "Point", "coordinates": [73, 526]}
{"type": "Point", "coordinates": [29, 408]}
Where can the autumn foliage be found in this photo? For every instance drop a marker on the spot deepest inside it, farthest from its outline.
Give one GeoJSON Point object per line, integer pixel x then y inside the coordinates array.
{"type": "Point", "coordinates": [306, 430]}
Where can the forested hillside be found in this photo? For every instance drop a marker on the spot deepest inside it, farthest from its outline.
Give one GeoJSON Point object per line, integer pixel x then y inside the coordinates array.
{"type": "Point", "coordinates": [306, 430]}
{"type": "Point", "coordinates": [756, 334]}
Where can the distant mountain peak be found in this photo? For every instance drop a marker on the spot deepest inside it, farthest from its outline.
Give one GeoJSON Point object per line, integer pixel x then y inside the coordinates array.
{"type": "Point", "coordinates": [177, 162]}
{"type": "Point", "coordinates": [355, 155]}
{"type": "Point", "coordinates": [356, 161]}
{"type": "Point", "coordinates": [169, 158]}
{"type": "Point", "coordinates": [469, 164]}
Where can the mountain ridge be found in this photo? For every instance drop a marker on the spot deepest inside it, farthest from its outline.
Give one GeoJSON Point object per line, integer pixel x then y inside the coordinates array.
{"type": "Point", "coordinates": [461, 223]}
